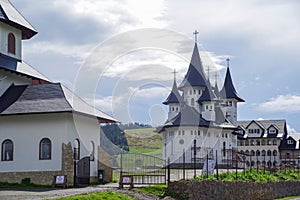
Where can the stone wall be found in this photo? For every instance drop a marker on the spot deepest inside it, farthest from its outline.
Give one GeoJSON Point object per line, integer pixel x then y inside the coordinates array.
{"type": "Point", "coordinates": [42, 178]}
{"type": "Point", "coordinates": [234, 190]}
{"type": "Point", "coordinates": [67, 163]}
{"type": "Point", "coordinates": [105, 163]}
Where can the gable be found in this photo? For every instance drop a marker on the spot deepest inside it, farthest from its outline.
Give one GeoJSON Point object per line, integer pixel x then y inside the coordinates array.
{"type": "Point", "coordinates": [255, 130]}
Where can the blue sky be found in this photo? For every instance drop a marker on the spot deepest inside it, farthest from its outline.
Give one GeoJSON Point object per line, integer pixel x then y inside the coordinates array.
{"type": "Point", "coordinates": [262, 39]}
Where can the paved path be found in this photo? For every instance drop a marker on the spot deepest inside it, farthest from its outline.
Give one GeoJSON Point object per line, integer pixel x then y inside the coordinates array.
{"type": "Point", "coordinates": [52, 193]}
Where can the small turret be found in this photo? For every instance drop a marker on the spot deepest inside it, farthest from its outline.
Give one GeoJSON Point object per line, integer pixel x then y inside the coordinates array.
{"type": "Point", "coordinates": [230, 97]}
{"type": "Point", "coordinates": [173, 100]}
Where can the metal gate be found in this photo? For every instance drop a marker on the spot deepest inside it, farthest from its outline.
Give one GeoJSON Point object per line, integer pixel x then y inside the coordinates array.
{"type": "Point", "coordinates": [142, 169]}
{"type": "Point", "coordinates": [83, 171]}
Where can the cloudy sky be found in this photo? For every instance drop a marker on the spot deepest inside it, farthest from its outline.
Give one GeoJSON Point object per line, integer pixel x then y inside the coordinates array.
{"type": "Point", "coordinates": [119, 55]}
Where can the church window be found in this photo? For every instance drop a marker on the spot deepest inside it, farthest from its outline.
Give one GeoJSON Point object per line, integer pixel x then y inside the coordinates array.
{"type": "Point", "coordinates": [222, 135]}
{"type": "Point", "coordinates": [92, 151]}
{"type": "Point", "coordinates": [272, 131]}
{"type": "Point", "coordinates": [226, 135]}
{"type": "Point", "coordinates": [191, 132]}
{"type": "Point", "coordinates": [76, 149]}
{"type": "Point", "coordinates": [257, 153]}
{"type": "Point", "coordinates": [241, 143]}
{"type": "Point", "coordinates": [247, 143]}
{"type": "Point", "coordinates": [210, 108]}
{"type": "Point", "coordinates": [290, 141]}
{"type": "Point", "coordinates": [7, 150]}
{"type": "Point", "coordinates": [252, 153]}
{"type": "Point", "coordinates": [173, 109]}
{"type": "Point", "coordinates": [179, 132]}
{"type": "Point", "coordinates": [182, 132]}
{"type": "Point", "coordinates": [176, 108]}
{"type": "Point", "coordinates": [257, 142]}
{"type": "Point", "coordinates": [247, 152]}
{"type": "Point", "coordinates": [269, 142]}
{"type": "Point", "coordinates": [11, 43]}
{"type": "Point", "coordinates": [206, 107]}
{"type": "Point", "coordinates": [192, 102]}
{"type": "Point", "coordinates": [198, 132]}
{"type": "Point", "coordinates": [199, 91]}
{"type": "Point", "coordinates": [45, 149]}
{"type": "Point", "coordinates": [252, 142]}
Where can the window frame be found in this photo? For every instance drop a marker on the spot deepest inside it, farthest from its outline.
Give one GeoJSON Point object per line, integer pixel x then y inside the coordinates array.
{"type": "Point", "coordinates": [11, 43]}
{"type": "Point", "coordinates": [3, 157]}
{"type": "Point", "coordinates": [40, 149]}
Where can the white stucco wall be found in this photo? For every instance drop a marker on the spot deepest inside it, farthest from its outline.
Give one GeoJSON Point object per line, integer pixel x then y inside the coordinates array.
{"type": "Point", "coordinates": [7, 78]}
{"type": "Point", "coordinates": [26, 131]}
{"type": "Point", "coordinates": [4, 31]}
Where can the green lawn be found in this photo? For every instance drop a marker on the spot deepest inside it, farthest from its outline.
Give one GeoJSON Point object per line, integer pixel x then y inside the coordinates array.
{"type": "Point", "coordinates": [108, 195]}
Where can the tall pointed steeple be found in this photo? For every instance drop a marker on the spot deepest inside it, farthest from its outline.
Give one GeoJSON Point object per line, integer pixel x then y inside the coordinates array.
{"type": "Point", "coordinates": [195, 75]}
{"type": "Point", "coordinates": [228, 91]}
{"type": "Point", "coordinates": [174, 96]}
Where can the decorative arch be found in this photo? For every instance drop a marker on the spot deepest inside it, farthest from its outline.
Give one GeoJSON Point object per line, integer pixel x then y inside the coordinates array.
{"type": "Point", "coordinates": [45, 149]}
{"type": "Point", "coordinates": [7, 150]}
{"type": "Point", "coordinates": [11, 43]}
{"type": "Point", "coordinates": [76, 149]}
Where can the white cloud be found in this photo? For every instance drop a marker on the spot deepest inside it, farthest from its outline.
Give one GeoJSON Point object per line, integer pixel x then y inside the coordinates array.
{"type": "Point", "coordinates": [291, 130]}
{"type": "Point", "coordinates": [282, 103]}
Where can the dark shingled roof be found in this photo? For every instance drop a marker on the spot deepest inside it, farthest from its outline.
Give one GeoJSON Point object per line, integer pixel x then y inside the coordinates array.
{"type": "Point", "coordinates": [280, 125]}
{"type": "Point", "coordinates": [228, 91]}
{"type": "Point", "coordinates": [208, 94]}
{"type": "Point", "coordinates": [46, 98]}
{"type": "Point", "coordinates": [195, 75]}
{"type": "Point", "coordinates": [174, 96]}
{"type": "Point", "coordinates": [187, 117]}
{"type": "Point", "coordinates": [40, 98]}
{"type": "Point", "coordinates": [10, 15]}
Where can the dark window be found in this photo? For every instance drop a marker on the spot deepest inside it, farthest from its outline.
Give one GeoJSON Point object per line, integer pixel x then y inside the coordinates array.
{"type": "Point", "coordinates": [274, 153]}
{"type": "Point", "coordinates": [77, 149]}
{"type": "Point", "coordinates": [11, 43]}
{"type": "Point", "coordinates": [7, 150]}
{"type": "Point", "coordinates": [257, 153]}
{"type": "Point", "coordinates": [192, 102]}
{"type": "Point", "coordinates": [224, 149]}
{"type": "Point", "coordinates": [263, 153]}
{"type": "Point", "coordinates": [269, 153]}
{"type": "Point", "coordinates": [45, 149]}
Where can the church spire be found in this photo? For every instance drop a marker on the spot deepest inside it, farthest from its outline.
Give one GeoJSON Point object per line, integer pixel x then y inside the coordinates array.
{"type": "Point", "coordinates": [195, 75]}
{"type": "Point", "coordinates": [174, 96]}
{"type": "Point", "coordinates": [228, 91]}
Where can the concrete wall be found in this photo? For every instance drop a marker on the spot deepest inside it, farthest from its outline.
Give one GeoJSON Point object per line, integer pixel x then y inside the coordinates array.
{"type": "Point", "coordinates": [234, 190]}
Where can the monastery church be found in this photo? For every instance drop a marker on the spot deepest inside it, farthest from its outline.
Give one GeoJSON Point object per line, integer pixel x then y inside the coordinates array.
{"type": "Point", "coordinates": [202, 123]}
{"type": "Point", "coordinates": [44, 126]}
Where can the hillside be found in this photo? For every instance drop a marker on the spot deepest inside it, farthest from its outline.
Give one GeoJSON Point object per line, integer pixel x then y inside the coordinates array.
{"type": "Point", "coordinates": [144, 140]}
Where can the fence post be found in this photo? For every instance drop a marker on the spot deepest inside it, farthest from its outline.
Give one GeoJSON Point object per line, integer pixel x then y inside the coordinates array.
{"type": "Point", "coordinates": [194, 158]}
{"type": "Point", "coordinates": [168, 171]}
{"type": "Point", "coordinates": [207, 165]}
{"type": "Point", "coordinates": [183, 170]}
{"type": "Point", "coordinates": [217, 165]}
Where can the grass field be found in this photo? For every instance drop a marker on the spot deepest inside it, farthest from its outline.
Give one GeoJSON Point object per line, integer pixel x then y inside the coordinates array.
{"type": "Point", "coordinates": [144, 141]}
{"type": "Point", "coordinates": [109, 195]}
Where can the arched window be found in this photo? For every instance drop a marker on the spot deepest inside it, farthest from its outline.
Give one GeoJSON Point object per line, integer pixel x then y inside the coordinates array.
{"type": "Point", "coordinates": [257, 153]}
{"type": "Point", "coordinates": [263, 153]}
{"type": "Point", "coordinates": [11, 43]}
{"type": "Point", "coordinates": [274, 153]}
{"type": "Point", "coordinates": [76, 149]}
{"type": "Point", "coordinates": [274, 142]}
{"type": "Point", "coordinates": [257, 143]}
{"type": "Point", "coordinates": [247, 152]}
{"type": "Point", "coordinates": [269, 153]}
{"type": "Point", "coordinates": [7, 150]}
{"type": "Point", "coordinates": [252, 153]}
{"type": "Point", "coordinates": [92, 151]}
{"type": "Point", "coordinates": [45, 149]}
{"type": "Point", "coordinates": [192, 102]}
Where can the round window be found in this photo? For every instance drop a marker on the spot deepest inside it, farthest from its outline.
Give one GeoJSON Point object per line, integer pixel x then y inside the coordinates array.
{"type": "Point", "coordinates": [181, 141]}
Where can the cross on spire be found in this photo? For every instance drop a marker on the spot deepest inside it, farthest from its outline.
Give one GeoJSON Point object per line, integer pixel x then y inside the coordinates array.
{"type": "Point", "coordinates": [228, 60]}
{"type": "Point", "coordinates": [208, 70]}
{"type": "Point", "coordinates": [216, 75]}
{"type": "Point", "coordinates": [174, 72]}
{"type": "Point", "coordinates": [196, 33]}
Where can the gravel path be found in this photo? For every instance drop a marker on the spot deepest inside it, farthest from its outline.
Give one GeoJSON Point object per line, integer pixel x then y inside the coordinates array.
{"type": "Point", "coordinates": [60, 192]}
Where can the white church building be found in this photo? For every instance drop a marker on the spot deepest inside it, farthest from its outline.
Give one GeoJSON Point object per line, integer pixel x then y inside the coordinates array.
{"type": "Point", "coordinates": [201, 119]}
{"type": "Point", "coordinates": [44, 126]}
